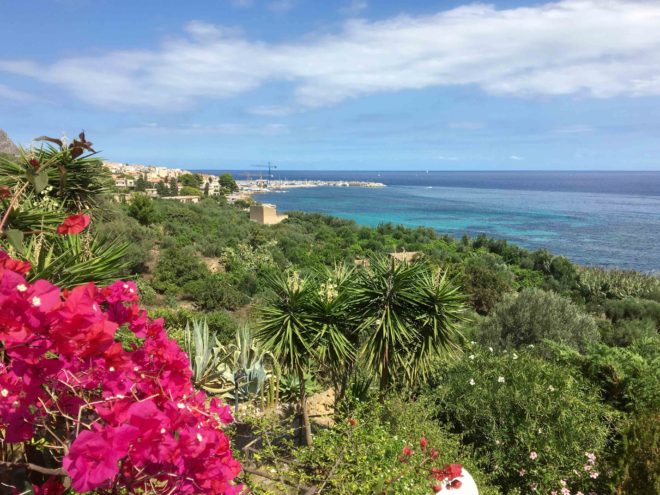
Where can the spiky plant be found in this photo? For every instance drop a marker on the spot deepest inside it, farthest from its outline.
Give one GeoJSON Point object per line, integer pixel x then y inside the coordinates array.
{"type": "Point", "coordinates": [408, 315]}
{"type": "Point", "coordinates": [41, 187]}
{"type": "Point", "coordinates": [335, 337]}
{"type": "Point", "coordinates": [204, 351]}
{"type": "Point", "coordinates": [286, 329]}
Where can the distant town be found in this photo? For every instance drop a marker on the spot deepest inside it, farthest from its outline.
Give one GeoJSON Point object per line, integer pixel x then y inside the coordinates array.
{"type": "Point", "coordinates": [188, 186]}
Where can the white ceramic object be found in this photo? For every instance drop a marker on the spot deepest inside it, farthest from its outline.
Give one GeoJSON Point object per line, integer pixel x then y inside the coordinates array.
{"type": "Point", "coordinates": [468, 486]}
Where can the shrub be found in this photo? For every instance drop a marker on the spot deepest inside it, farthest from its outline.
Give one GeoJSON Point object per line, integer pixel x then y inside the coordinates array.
{"type": "Point", "coordinates": [486, 280]}
{"type": "Point", "coordinates": [535, 315]}
{"type": "Point", "coordinates": [632, 309]}
{"type": "Point", "coordinates": [78, 404]}
{"type": "Point", "coordinates": [598, 284]}
{"type": "Point", "coordinates": [529, 421]}
{"type": "Point", "coordinates": [176, 267]}
{"type": "Point", "coordinates": [627, 332]}
{"type": "Point", "coordinates": [361, 453]}
{"type": "Point", "coordinates": [141, 241]}
{"type": "Point", "coordinates": [142, 209]}
{"type": "Point", "coordinates": [214, 292]}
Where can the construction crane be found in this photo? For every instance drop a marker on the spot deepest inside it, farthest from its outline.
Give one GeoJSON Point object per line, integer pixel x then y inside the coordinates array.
{"type": "Point", "coordinates": [269, 167]}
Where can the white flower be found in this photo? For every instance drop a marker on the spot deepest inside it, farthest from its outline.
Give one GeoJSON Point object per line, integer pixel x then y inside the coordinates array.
{"type": "Point", "coordinates": [471, 356]}
{"type": "Point", "coordinates": [111, 369]}
{"type": "Point", "coordinates": [162, 430]}
{"type": "Point", "coordinates": [21, 288]}
{"type": "Point", "coordinates": [181, 405]}
{"type": "Point", "coordinates": [199, 437]}
{"type": "Point", "coordinates": [36, 301]}
{"type": "Point", "coordinates": [515, 356]}
{"type": "Point", "coordinates": [472, 382]}
{"type": "Point", "coordinates": [4, 392]}
{"type": "Point", "coordinates": [490, 349]}
{"type": "Point", "coordinates": [551, 388]}
{"type": "Point", "coordinates": [501, 379]}
{"type": "Point", "coordinates": [125, 286]}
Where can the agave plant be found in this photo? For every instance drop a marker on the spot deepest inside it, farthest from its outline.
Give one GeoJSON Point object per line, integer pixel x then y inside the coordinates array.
{"type": "Point", "coordinates": [245, 368]}
{"type": "Point", "coordinates": [238, 371]}
{"type": "Point", "coordinates": [205, 353]}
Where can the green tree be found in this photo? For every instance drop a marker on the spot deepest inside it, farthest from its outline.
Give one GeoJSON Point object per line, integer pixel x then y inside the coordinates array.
{"type": "Point", "coordinates": [191, 180]}
{"type": "Point", "coordinates": [141, 183]}
{"type": "Point", "coordinates": [190, 191]}
{"type": "Point", "coordinates": [486, 279]}
{"type": "Point", "coordinates": [174, 187]}
{"type": "Point", "coordinates": [141, 207]}
{"type": "Point", "coordinates": [228, 183]}
{"type": "Point", "coordinates": [286, 329]}
{"type": "Point", "coordinates": [408, 313]}
{"type": "Point", "coordinates": [206, 189]}
{"type": "Point", "coordinates": [162, 190]}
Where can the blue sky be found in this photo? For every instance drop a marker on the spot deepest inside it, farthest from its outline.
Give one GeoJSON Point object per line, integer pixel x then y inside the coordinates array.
{"type": "Point", "coordinates": [346, 84]}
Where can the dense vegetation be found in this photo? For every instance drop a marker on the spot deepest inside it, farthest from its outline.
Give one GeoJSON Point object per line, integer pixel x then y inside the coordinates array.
{"type": "Point", "coordinates": [534, 373]}
{"type": "Point", "coordinates": [585, 334]}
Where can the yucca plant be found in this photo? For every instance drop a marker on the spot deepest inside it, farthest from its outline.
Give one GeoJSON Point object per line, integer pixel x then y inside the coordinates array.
{"type": "Point", "coordinates": [335, 337]}
{"type": "Point", "coordinates": [76, 175]}
{"type": "Point", "coordinates": [408, 315]}
{"type": "Point", "coordinates": [286, 329]}
{"type": "Point", "coordinates": [41, 187]}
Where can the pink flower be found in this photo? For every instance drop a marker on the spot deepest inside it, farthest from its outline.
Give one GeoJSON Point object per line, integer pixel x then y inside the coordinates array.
{"type": "Point", "coordinates": [533, 455]}
{"type": "Point", "coordinates": [423, 442]}
{"type": "Point", "coordinates": [93, 458]}
{"type": "Point", "coordinates": [594, 475]}
{"type": "Point", "coordinates": [74, 224]}
{"type": "Point", "coordinates": [60, 354]}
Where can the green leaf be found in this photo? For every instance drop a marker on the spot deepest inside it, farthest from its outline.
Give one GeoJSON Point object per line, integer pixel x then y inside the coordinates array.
{"type": "Point", "coordinates": [15, 238]}
{"type": "Point", "coordinates": [40, 181]}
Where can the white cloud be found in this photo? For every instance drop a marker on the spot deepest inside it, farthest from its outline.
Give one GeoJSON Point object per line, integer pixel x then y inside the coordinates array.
{"type": "Point", "coordinates": [354, 8]}
{"type": "Point", "coordinates": [271, 110]}
{"type": "Point", "coordinates": [592, 48]}
{"type": "Point", "coordinates": [516, 157]}
{"type": "Point", "coordinates": [223, 129]}
{"type": "Point", "coordinates": [14, 94]}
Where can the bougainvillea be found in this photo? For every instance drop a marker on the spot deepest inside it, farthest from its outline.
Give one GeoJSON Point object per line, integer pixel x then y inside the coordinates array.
{"type": "Point", "coordinates": [105, 418]}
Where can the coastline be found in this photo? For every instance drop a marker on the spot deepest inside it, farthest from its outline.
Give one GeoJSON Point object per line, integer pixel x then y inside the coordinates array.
{"type": "Point", "coordinates": [589, 229]}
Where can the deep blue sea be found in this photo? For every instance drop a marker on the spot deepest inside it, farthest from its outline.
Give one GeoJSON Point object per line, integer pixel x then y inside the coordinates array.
{"type": "Point", "coordinates": [609, 219]}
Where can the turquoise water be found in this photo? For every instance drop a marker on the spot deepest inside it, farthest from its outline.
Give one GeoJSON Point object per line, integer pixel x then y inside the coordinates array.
{"type": "Point", "coordinates": [610, 220]}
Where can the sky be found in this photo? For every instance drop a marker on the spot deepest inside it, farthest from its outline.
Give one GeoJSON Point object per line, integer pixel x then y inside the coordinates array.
{"type": "Point", "coordinates": [345, 84]}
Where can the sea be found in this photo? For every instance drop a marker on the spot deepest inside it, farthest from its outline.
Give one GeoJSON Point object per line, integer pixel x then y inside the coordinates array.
{"type": "Point", "coordinates": [607, 219]}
